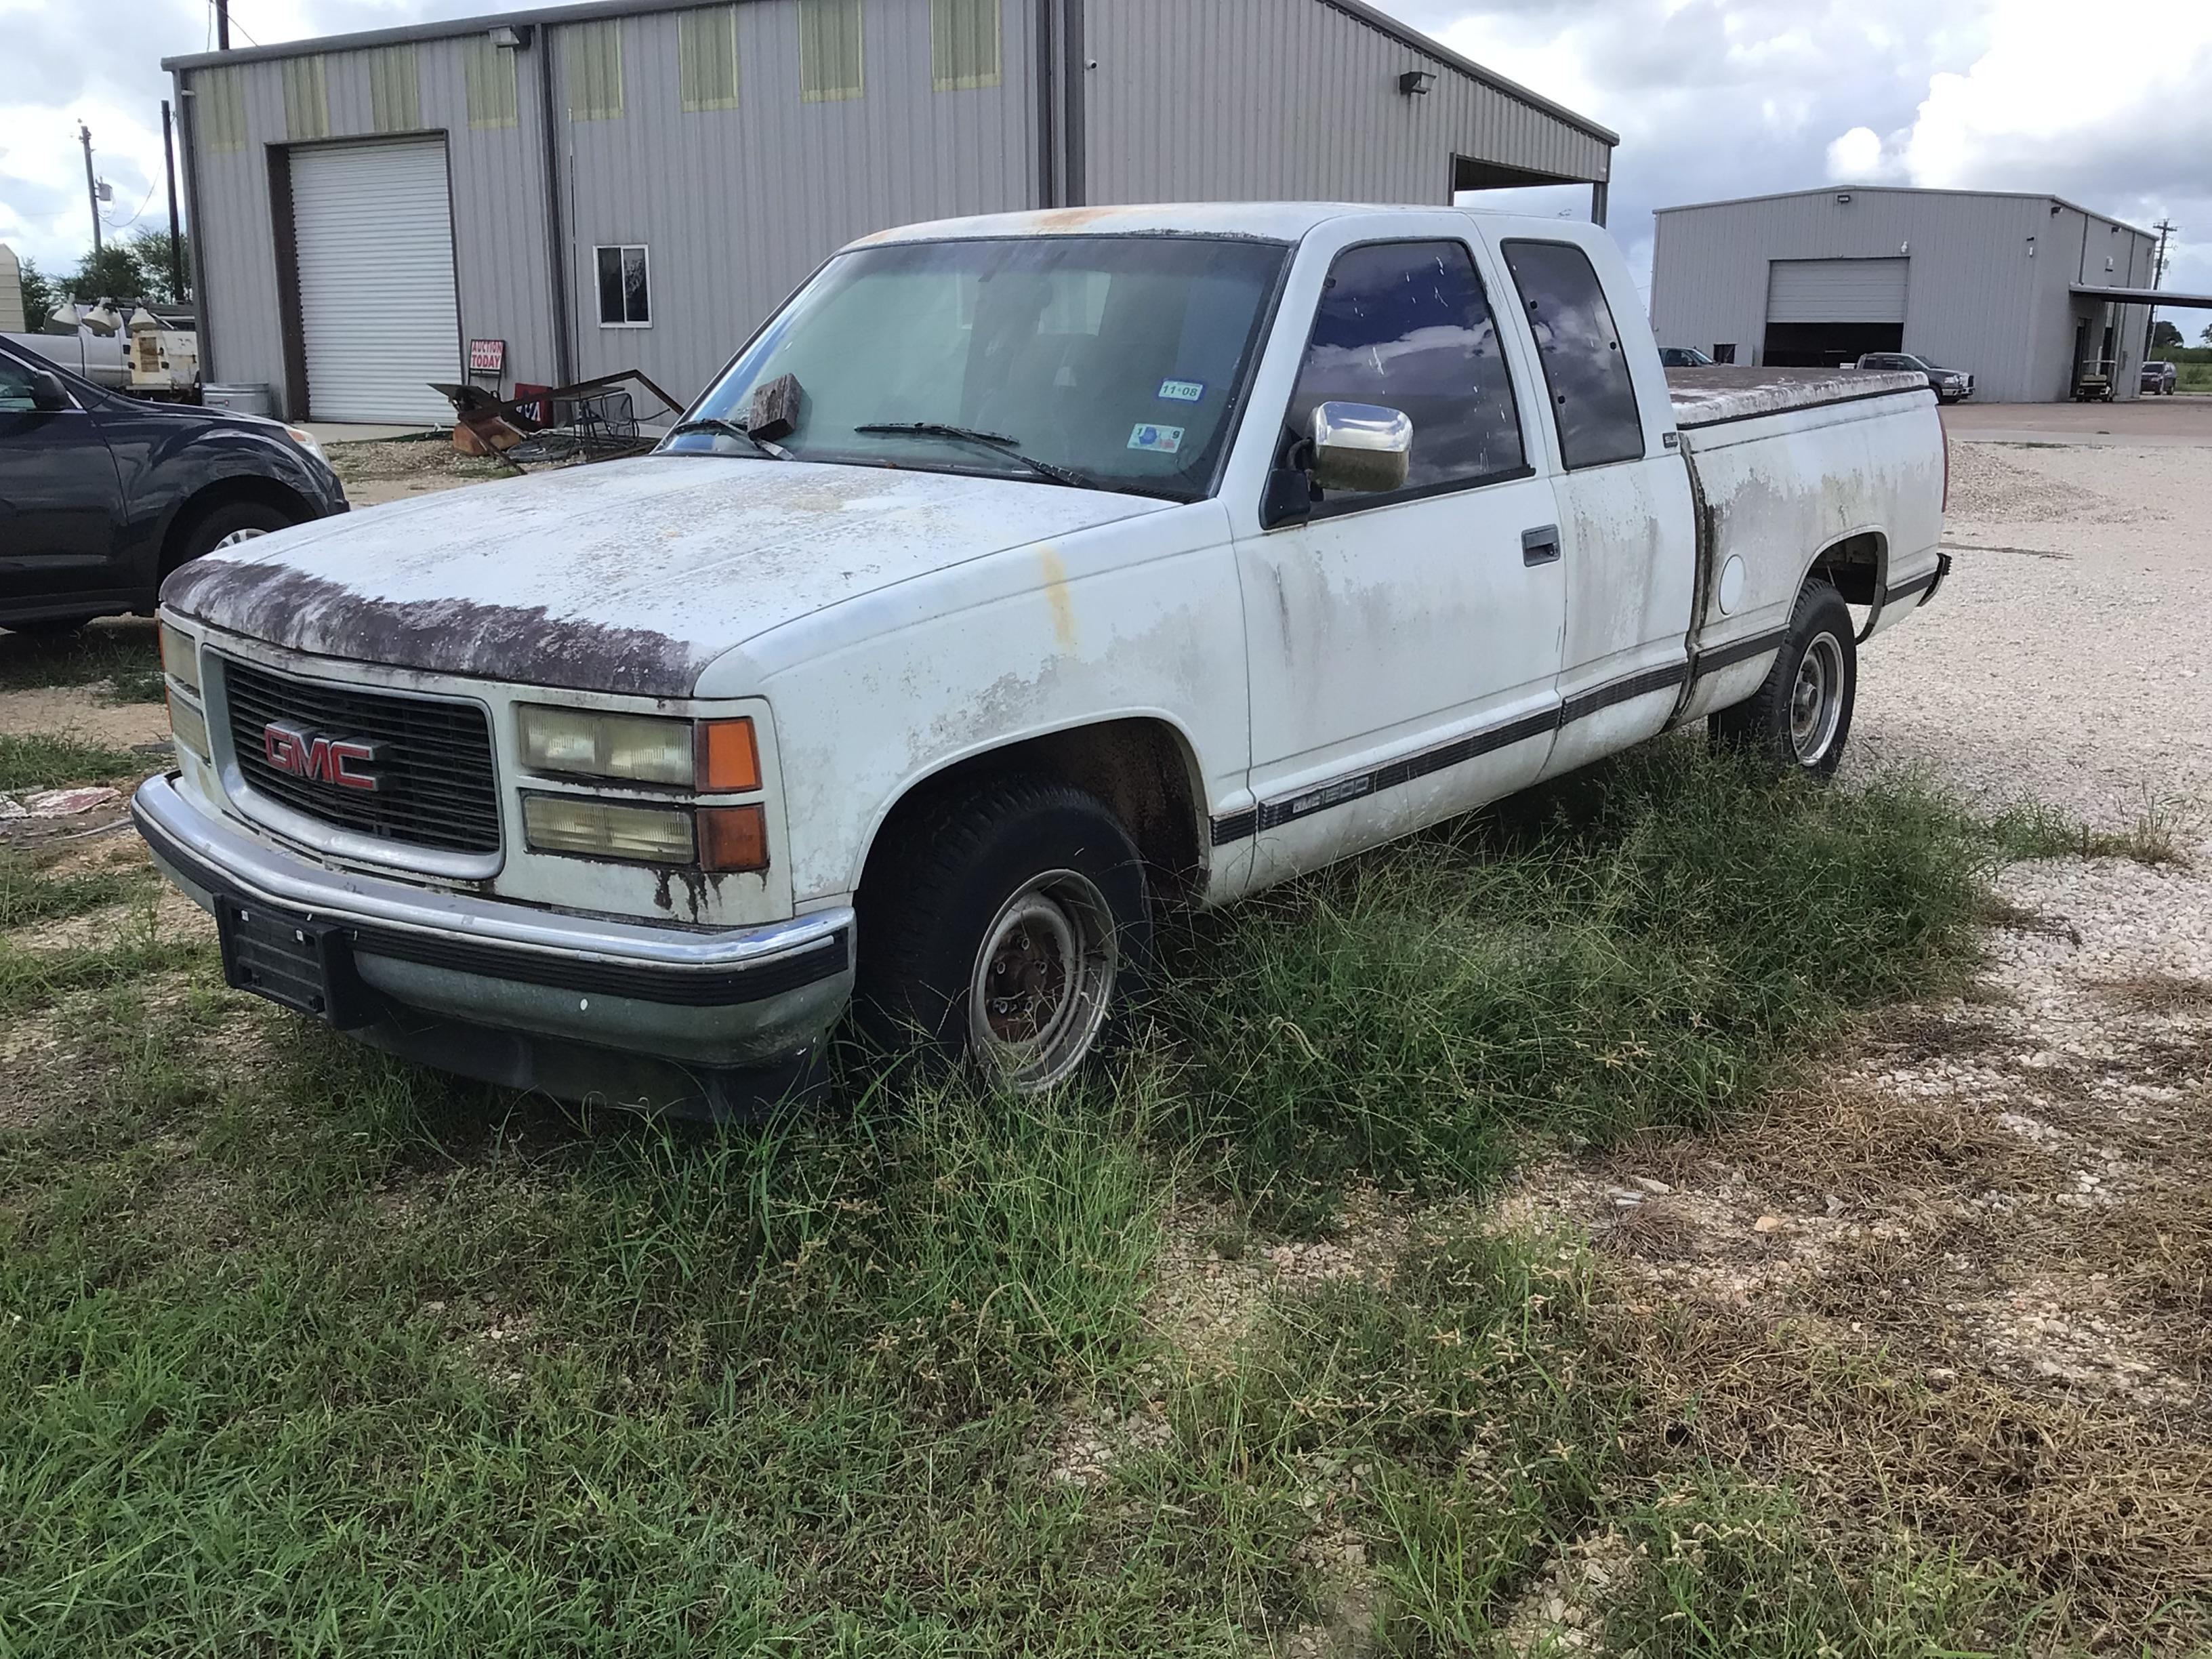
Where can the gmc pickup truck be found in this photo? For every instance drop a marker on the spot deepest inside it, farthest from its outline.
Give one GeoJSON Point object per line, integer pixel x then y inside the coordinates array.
{"type": "Point", "coordinates": [1021, 575]}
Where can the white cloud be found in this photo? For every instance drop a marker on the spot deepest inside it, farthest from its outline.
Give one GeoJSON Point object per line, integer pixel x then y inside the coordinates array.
{"type": "Point", "coordinates": [1856, 157]}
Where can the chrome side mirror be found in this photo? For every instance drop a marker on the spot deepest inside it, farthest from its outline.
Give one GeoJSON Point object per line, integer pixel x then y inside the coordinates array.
{"type": "Point", "coordinates": [1361, 447]}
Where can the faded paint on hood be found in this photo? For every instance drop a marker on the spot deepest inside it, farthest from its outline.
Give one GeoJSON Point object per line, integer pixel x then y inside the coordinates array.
{"type": "Point", "coordinates": [628, 576]}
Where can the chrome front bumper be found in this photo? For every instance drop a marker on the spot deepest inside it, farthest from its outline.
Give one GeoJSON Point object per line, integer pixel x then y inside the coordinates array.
{"type": "Point", "coordinates": [584, 1007]}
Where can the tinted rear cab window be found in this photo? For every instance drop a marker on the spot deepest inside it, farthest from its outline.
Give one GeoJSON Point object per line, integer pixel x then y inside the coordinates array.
{"type": "Point", "coordinates": [1585, 370]}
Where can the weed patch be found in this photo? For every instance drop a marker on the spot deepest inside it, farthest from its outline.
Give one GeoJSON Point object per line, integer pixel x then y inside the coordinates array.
{"type": "Point", "coordinates": [122, 651]}
{"type": "Point", "coordinates": [1637, 949]}
{"type": "Point", "coordinates": [36, 761]}
{"type": "Point", "coordinates": [2035, 829]}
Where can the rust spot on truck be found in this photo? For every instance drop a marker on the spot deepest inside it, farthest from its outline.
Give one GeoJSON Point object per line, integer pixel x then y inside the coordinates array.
{"type": "Point", "coordinates": [522, 643]}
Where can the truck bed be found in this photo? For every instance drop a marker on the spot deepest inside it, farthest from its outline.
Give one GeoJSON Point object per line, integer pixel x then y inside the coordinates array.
{"type": "Point", "coordinates": [1707, 397]}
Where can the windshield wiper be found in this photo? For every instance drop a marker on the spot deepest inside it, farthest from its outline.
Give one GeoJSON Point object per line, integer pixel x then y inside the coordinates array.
{"type": "Point", "coordinates": [994, 440]}
{"type": "Point", "coordinates": [716, 423]}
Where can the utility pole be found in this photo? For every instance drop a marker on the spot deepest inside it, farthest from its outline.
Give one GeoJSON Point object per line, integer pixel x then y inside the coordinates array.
{"type": "Point", "coordinates": [91, 185]}
{"type": "Point", "coordinates": [176, 236]}
{"type": "Point", "coordinates": [222, 25]}
{"type": "Point", "coordinates": [2157, 277]}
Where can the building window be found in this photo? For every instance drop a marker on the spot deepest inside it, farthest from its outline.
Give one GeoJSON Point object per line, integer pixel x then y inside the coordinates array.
{"type": "Point", "coordinates": [394, 103]}
{"type": "Point", "coordinates": [964, 45]}
{"type": "Point", "coordinates": [490, 74]}
{"type": "Point", "coordinates": [595, 71]}
{"type": "Point", "coordinates": [1407, 324]}
{"type": "Point", "coordinates": [707, 59]}
{"type": "Point", "coordinates": [625, 295]}
{"type": "Point", "coordinates": [1724, 352]}
{"type": "Point", "coordinates": [829, 58]}
{"type": "Point", "coordinates": [221, 94]}
{"type": "Point", "coordinates": [1593, 401]}
{"type": "Point", "coordinates": [306, 100]}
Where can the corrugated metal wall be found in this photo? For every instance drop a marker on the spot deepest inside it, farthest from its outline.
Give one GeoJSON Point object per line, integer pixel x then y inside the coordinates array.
{"type": "Point", "coordinates": [738, 205]}
{"type": "Point", "coordinates": [1265, 100]}
{"type": "Point", "coordinates": [1975, 297]}
{"type": "Point", "coordinates": [1231, 99]}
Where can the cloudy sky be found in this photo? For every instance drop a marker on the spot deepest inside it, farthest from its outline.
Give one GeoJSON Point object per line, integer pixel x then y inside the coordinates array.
{"type": "Point", "coordinates": [1712, 98]}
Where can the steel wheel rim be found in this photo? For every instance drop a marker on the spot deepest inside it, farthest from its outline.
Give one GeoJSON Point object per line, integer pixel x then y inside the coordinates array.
{"type": "Point", "coordinates": [1816, 700]}
{"type": "Point", "coordinates": [238, 535]}
{"type": "Point", "coordinates": [1042, 980]}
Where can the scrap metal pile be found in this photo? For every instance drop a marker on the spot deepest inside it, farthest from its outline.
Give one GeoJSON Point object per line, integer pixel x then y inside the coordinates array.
{"type": "Point", "coordinates": [594, 420]}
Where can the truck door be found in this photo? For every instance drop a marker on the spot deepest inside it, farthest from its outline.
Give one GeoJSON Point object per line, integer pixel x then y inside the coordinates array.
{"type": "Point", "coordinates": [1404, 647]}
{"type": "Point", "coordinates": [60, 500]}
{"type": "Point", "coordinates": [1627, 527]}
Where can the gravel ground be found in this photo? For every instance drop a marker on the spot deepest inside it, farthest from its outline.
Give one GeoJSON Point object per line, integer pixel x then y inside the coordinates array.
{"type": "Point", "coordinates": [2068, 656]}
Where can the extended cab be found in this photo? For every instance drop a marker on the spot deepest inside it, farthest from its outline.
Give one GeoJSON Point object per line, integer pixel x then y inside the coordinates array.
{"type": "Point", "coordinates": [1021, 575]}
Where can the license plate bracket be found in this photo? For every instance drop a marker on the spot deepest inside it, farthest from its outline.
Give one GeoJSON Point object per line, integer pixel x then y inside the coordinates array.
{"type": "Point", "coordinates": [292, 961]}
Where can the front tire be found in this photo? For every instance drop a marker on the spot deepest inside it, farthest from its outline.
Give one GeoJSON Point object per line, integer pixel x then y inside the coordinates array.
{"type": "Point", "coordinates": [227, 526]}
{"type": "Point", "coordinates": [1800, 719]}
{"type": "Point", "coordinates": [1009, 927]}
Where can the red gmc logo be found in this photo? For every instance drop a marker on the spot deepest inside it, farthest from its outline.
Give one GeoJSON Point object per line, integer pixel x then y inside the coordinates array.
{"type": "Point", "coordinates": [338, 760]}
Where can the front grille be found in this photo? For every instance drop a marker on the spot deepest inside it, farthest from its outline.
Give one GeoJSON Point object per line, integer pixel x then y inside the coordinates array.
{"type": "Point", "coordinates": [436, 784]}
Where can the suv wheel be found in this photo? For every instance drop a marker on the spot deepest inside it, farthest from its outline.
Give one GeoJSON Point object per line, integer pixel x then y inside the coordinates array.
{"type": "Point", "coordinates": [228, 525]}
{"type": "Point", "coordinates": [1800, 719]}
{"type": "Point", "coordinates": [1010, 926]}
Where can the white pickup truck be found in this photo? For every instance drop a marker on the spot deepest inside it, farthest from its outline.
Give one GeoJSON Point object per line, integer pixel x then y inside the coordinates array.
{"type": "Point", "coordinates": [1021, 575]}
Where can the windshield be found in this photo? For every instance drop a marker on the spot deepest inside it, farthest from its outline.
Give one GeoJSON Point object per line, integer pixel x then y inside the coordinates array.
{"type": "Point", "coordinates": [1119, 359]}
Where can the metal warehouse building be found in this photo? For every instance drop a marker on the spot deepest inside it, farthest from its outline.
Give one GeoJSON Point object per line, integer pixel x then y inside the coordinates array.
{"type": "Point", "coordinates": [2025, 291]}
{"type": "Point", "coordinates": [606, 186]}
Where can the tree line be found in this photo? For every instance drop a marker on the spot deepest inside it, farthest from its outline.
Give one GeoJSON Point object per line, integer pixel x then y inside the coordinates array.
{"type": "Point", "coordinates": [134, 267]}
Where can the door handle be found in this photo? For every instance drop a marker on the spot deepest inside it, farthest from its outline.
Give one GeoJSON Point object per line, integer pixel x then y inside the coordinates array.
{"type": "Point", "coordinates": [1540, 545]}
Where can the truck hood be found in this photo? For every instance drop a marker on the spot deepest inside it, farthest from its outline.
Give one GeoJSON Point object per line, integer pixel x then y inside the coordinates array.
{"type": "Point", "coordinates": [628, 576]}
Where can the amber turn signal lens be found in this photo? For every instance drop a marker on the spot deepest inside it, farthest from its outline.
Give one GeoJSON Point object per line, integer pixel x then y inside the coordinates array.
{"type": "Point", "coordinates": [733, 838]}
{"type": "Point", "coordinates": [728, 757]}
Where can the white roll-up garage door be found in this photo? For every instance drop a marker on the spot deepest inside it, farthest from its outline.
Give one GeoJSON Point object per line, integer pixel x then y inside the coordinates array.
{"type": "Point", "coordinates": [375, 235]}
{"type": "Point", "coordinates": [1836, 291]}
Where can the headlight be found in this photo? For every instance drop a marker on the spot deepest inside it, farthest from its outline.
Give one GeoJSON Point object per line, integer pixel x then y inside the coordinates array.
{"type": "Point", "coordinates": [180, 662]}
{"type": "Point", "coordinates": [188, 725]}
{"type": "Point", "coordinates": [609, 830]}
{"type": "Point", "coordinates": [307, 441]}
{"type": "Point", "coordinates": [719, 754]}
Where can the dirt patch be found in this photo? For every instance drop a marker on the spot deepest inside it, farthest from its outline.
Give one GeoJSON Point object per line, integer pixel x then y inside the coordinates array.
{"type": "Point", "coordinates": [81, 712]}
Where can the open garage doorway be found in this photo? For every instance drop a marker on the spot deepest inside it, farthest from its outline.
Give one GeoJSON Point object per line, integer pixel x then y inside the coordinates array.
{"type": "Point", "coordinates": [1821, 314]}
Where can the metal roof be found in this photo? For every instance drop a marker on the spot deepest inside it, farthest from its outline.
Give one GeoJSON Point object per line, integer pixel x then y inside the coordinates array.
{"type": "Point", "coordinates": [591, 9]}
{"type": "Point", "coordinates": [2145, 297]}
{"type": "Point", "coordinates": [1897, 190]}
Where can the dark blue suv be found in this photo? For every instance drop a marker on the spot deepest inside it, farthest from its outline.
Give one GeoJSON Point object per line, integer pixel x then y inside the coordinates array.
{"type": "Point", "coordinates": [102, 496]}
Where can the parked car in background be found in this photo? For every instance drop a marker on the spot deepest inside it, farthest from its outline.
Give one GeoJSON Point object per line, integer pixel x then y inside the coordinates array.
{"type": "Point", "coordinates": [1949, 384]}
{"type": "Point", "coordinates": [102, 496]}
{"type": "Point", "coordinates": [1022, 575]}
{"type": "Point", "coordinates": [1683, 357]}
{"type": "Point", "coordinates": [2158, 377]}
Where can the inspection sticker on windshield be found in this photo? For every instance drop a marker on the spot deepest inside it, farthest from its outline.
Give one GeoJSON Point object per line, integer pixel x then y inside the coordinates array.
{"type": "Point", "coordinates": [1183, 391]}
{"type": "Point", "coordinates": [1161, 440]}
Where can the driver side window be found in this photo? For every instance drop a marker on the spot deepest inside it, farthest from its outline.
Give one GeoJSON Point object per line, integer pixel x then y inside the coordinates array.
{"type": "Point", "coordinates": [1407, 325]}
{"type": "Point", "coordinates": [15, 388]}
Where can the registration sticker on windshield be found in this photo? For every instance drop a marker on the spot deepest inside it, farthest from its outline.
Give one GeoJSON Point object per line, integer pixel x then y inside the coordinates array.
{"type": "Point", "coordinates": [1182, 391]}
{"type": "Point", "coordinates": [1160, 439]}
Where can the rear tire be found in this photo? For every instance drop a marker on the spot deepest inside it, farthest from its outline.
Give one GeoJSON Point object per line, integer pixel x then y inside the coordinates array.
{"type": "Point", "coordinates": [1800, 719]}
{"type": "Point", "coordinates": [1009, 927]}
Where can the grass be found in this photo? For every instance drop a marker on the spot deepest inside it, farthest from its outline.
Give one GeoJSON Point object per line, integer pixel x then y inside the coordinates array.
{"type": "Point", "coordinates": [308, 1352]}
{"type": "Point", "coordinates": [38, 760]}
{"type": "Point", "coordinates": [1641, 949]}
{"type": "Point", "coordinates": [125, 651]}
{"type": "Point", "coordinates": [2035, 829]}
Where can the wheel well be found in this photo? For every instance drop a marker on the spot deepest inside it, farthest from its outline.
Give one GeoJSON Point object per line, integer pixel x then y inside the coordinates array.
{"type": "Point", "coordinates": [1853, 567]}
{"type": "Point", "coordinates": [1141, 769]}
{"type": "Point", "coordinates": [225, 492]}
